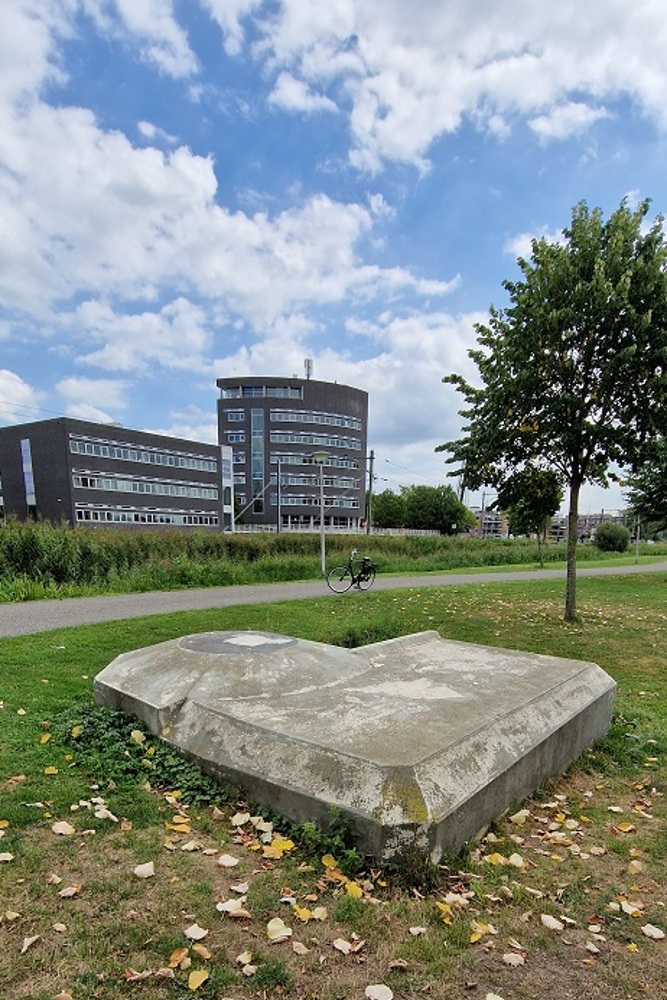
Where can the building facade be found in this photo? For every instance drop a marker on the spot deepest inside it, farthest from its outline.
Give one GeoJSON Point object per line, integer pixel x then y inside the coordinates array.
{"type": "Point", "coordinates": [107, 476]}
{"type": "Point", "coordinates": [298, 450]}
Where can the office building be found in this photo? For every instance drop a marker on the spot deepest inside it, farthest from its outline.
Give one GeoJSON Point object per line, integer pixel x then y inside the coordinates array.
{"type": "Point", "coordinates": [108, 476]}
{"type": "Point", "coordinates": [298, 448]}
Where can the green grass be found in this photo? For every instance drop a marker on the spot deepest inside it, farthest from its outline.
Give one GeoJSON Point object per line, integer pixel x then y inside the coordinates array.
{"type": "Point", "coordinates": [119, 922]}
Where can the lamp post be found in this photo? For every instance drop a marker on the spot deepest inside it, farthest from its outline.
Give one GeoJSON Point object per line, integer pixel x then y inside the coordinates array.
{"type": "Point", "coordinates": [320, 457]}
{"type": "Point", "coordinates": [279, 496]}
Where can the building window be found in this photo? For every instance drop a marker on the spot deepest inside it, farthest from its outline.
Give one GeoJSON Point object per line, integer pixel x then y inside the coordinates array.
{"type": "Point", "coordinates": [257, 459]}
{"type": "Point", "coordinates": [252, 391]}
{"type": "Point", "coordinates": [235, 438]}
{"type": "Point", "coordinates": [156, 487]}
{"type": "Point", "coordinates": [235, 416]}
{"type": "Point", "coordinates": [238, 458]}
{"type": "Point", "coordinates": [100, 448]}
{"type": "Point", "coordinates": [136, 515]}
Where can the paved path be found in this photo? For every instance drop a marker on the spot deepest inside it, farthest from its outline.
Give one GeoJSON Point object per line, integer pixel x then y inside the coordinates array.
{"type": "Point", "coordinates": [39, 616]}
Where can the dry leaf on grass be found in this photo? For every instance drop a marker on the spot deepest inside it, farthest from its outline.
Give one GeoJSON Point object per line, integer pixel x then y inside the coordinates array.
{"type": "Point", "coordinates": [277, 930]}
{"type": "Point", "coordinates": [196, 979]}
{"type": "Point", "coordinates": [378, 991]}
{"type": "Point", "coordinates": [28, 943]}
{"type": "Point", "coordinates": [551, 923]}
{"type": "Point", "coordinates": [63, 829]}
{"type": "Point", "coordinates": [655, 933]}
{"type": "Point", "coordinates": [195, 933]}
{"type": "Point", "coordinates": [146, 870]}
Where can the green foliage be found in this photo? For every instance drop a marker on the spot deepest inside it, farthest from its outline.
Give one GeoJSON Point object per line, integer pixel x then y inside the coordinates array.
{"type": "Point", "coordinates": [272, 973]}
{"type": "Point", "coordinates": [388, 510]}
{"type": "Point", "coordinates": [610, 537]}
{"type": "Point", "coordinates": [627, 745]}
{"type": "Point", "coordinates": [108, 751]}
{"type": "Point", "coordinates": [435, 508]}
{"type": "Point", "coordinates": [648, 487]}
{"type": "Point", "coordinates": [573, 370]}
{"type": "Point", "coordinates": [338, 839]}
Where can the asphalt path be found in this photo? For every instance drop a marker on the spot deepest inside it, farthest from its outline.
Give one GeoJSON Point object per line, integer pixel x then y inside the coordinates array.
{"type": "Point", "coordinates": [39, 616]}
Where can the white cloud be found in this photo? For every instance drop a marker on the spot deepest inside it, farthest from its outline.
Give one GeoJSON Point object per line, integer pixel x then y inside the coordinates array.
{"type": "Point", "coordinates": [18, 400]}
{"type": "Point", "coordinates": [230, 14]}
{"type": "Point", "coordinates": [152, 25]}
{"type": "Point", "coordinates": [91, 398]}
{"type": "Point", "coordinates": [566, 120]}
{"type": "Point", "coordinates": [407, 74]}
{"type": "Point", "coordinates": [294, 95]}
{"type": "Point", "coordinates": [521, 244]}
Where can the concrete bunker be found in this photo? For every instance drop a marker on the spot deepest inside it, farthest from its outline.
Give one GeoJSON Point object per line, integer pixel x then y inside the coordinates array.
{"type": "Point", "coordinates": [420, 741]}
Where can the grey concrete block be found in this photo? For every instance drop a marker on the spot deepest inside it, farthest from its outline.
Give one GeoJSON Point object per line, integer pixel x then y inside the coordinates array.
{"type": "Point", "coordinates": [421, 741]}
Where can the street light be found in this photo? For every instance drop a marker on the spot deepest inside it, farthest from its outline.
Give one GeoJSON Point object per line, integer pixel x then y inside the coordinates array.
{"type": "Point", "coordinates": [321, 457]}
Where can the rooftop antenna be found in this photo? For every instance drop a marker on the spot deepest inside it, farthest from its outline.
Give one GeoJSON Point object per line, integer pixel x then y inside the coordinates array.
{"type": "Point", "coordinates": [308, 365]}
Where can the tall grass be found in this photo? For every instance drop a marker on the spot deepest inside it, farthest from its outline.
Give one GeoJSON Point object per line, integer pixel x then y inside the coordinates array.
{"type": "Point", "coordinates": [41, 560]}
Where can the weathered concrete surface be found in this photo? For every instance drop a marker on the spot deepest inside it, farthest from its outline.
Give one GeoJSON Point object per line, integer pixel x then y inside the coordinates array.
{"type": "Point", "coordinates": [420, 740]}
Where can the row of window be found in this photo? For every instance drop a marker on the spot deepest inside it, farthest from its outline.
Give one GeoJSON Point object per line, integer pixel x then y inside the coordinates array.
{"type": "Point", "coordinates": [298, 458]}
{"type": "Point", "coordinates": [292, 500]}
{"type": "Point", "coordinates": [257, 391]}
{"type": "Point", "coordinates": [300, 417]}
{"type": "Point", "coordinates": [314, 417]}
{"type": "Point", "coordinates": [153, 486]}
{"type": "Point", "coordinates": [129, 516]}
{"type": "Point", "coordinates": [321, 440]}
{"type": "Point", "coordinates": [127, 453]}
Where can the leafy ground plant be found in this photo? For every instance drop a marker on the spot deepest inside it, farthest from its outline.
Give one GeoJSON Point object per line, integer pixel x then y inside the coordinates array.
{"type": "Point", "coordinates": [122, 880]}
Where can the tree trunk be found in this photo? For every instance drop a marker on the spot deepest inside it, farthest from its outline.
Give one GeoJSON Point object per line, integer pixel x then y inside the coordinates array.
{"type": "Point", "coordinates": [572, 540]}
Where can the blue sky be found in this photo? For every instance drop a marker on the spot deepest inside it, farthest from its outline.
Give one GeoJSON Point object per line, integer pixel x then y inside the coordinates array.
{"type": "Point", "coordinates": [195, 189]}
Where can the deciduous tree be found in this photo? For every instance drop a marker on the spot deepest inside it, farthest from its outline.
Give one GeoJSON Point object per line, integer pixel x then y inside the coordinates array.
{"type": "Point", "coordinates": [574, 371]}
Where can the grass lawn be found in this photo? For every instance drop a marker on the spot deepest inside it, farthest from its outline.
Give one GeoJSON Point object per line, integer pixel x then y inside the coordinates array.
{"type": "Point", "coordinates": [566, 898]}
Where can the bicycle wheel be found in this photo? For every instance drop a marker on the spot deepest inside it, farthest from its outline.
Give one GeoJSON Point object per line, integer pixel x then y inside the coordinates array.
{"type": "Point", "coordinates": [339, 579]}
{"type": "Point", "coordinates": [366, 579]}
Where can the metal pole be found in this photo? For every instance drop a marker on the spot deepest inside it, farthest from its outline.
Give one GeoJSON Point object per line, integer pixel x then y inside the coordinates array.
{"type": "Point", "coordinates": [369, 512]}
{"type": "Point", "coordinates": [636, 541]}
{"type": "Point", "coordinates": [278, 520]}
{"type": "Point", "coordinates": [323, 557]}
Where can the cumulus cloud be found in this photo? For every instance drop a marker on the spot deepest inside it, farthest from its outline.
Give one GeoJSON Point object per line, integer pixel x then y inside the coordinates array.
{"type": "Point", "coordinates": [294, 95]}
{"type": "Point", "coordinates": [91, 398]}
{"type": "Point", "coordinates": [407, 74]}
{"type": "Point", "coordinates": [18, 400]}
{"type": "Point", "coordinates": [566, 120]}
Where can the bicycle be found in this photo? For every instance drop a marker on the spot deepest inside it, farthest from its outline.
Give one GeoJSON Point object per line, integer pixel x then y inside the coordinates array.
{"type": "Point", "coordinates": [341, 578]}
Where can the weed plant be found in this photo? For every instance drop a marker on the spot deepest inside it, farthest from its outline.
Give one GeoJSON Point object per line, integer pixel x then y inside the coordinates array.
{"type": "Point", "coordinates": [41, 560]}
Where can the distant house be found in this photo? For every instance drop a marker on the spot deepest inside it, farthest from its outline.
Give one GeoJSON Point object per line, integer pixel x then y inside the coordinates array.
{"type": "Point", "coordinates": [108, 476]}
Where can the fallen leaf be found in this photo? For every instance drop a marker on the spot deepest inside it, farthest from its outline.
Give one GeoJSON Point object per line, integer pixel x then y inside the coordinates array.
{"type": "Point", "coordinates": [146, 870]}
{"type": "Point", "coordinates": [417, 931]}
{"type": "Point", "coordinates": [196, 979]}
{"type": "Point", "coordinates": [227, 861]}
{"type": "Point", "coordinates": [195, 933]}
{"type": "Point", "coordinates": [245, 958]}
{"type": "Point", "coordinates": [137, 737]}
{"type": "Point", "coordinates": [176, 957]}
{"type": "Point", "coordinates": [60, 928]}
{"type": "Point", "coordinates": [514, 959]}
{"type": "Point", "coordinates": [202, 951]}
{"type": "Point", "coordinates": [50, 770]}
{"type": "Point", "coordinates": [70, 891]}
{"type": "Point", "coordinates": [378, 991]}
{"type": "Point", "coordinates": [520, 817]}
{"type": "Point", "coordinates": [655, 933]}
{"type": "Point", "coordinates": [132, 976]}
{"type": "Point", "coordinates": [340, 944]}
{"type": "Point", "coordinates": [28, 942]}
{"type": "Point", "coordinates": [277, 930]}
{"type": "Point", "coordinates": [354, 890]}
{"type": "Point", "coordinates": [6, 856]}
{"type": "Point", "coordinates": [300, 949]}
{"type": "Point", "coordinates": [551, 923]}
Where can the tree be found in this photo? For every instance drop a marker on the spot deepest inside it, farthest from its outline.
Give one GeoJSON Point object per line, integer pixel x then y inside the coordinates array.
{"type": "Point", "coordinates": [574, 370]}
{"type": "Point", "coordinates": [610, 537]}
{"type": "Point", "coordinates": [531, 496]}
{"type": "Point", "coordinates": [648, 487]}
{"type": "Point", "coordinates": [388, 510]}
{"type": "Point", "coordinates": [435, 508]}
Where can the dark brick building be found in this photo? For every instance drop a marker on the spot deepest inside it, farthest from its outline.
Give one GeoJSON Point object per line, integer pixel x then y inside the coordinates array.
{"type": "Point", "coordinates": [113, 477]}
{"type": "Point", "coordinates": [296, 442]}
